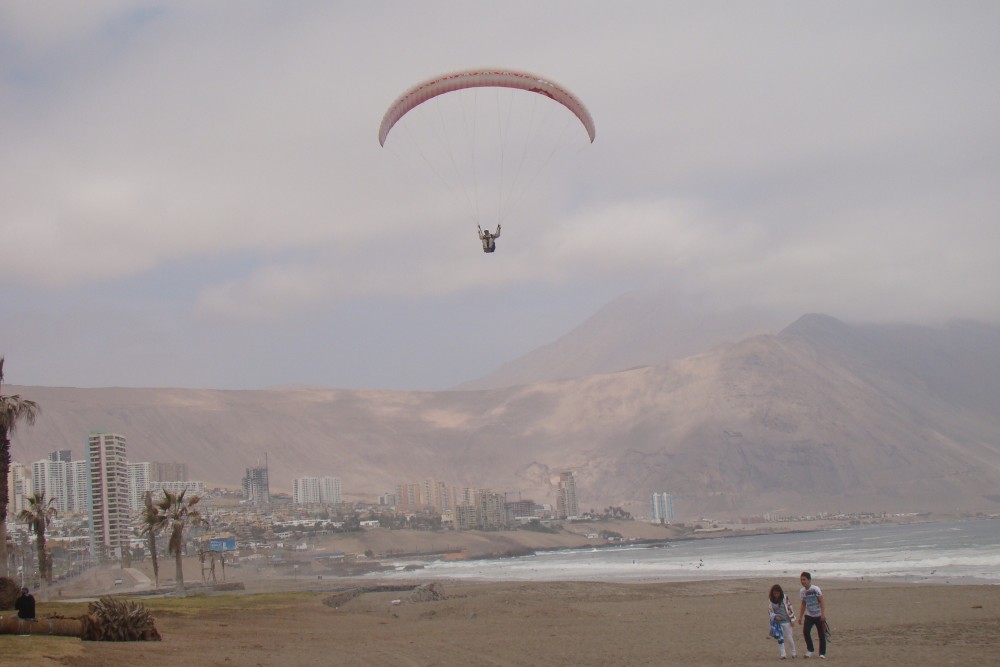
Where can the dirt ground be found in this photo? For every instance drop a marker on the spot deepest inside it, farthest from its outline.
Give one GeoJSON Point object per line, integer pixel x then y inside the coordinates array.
{"type": "Point", "coordinates": [494, 624]}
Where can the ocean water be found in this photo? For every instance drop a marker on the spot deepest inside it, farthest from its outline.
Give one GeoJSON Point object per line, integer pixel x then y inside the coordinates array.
{"type": "Point", "coordinates": [955, 552]}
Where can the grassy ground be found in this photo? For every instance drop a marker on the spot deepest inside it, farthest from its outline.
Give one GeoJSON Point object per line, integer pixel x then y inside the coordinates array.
{"type": "Point", "coordinates": [46, 650]}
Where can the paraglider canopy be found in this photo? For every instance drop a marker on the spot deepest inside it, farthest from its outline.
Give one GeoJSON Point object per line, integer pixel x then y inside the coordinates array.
{"type": "Point", "coordinates": [483, 78]}
{"type": "Point", "coordinates": [488, 135]}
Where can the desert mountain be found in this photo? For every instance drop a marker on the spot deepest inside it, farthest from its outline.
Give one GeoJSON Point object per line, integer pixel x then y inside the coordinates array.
{"type": "Point", "coordinates": [824, 416]}
{"type": "Point", "coordinates": [639, 328]}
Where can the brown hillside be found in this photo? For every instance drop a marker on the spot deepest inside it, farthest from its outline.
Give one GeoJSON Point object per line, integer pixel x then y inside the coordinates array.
{"type": "Point", "coordinates": [823, 417]}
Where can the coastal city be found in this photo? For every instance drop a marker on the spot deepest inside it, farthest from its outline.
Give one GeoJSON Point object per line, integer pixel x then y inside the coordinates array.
{"type": "Point", "coordinates": [99, 501]}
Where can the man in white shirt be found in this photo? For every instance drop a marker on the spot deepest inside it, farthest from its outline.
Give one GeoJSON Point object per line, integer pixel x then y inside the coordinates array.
{"type": "Point", "coordinates": [812, 611]}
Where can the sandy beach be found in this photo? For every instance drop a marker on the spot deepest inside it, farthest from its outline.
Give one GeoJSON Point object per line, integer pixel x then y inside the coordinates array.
{"type": "Point", "coordinates": [303, 621]}
{"type": "Point", "coordinates": [318, 612]}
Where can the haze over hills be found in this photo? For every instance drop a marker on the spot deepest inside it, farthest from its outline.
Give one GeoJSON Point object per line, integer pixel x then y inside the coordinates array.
{"type": "Point", "coordinates": [638, 328]}
{"type": "Point", "coordinates": [823, 416]}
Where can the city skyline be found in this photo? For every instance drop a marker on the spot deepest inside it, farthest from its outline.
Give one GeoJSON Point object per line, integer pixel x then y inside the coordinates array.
{"type": "Point", "coordinates": [466, 507]}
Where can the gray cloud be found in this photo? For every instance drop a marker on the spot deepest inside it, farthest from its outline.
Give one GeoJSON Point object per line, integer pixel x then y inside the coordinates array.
{"type": "Point", "coordinates": [208, 177]}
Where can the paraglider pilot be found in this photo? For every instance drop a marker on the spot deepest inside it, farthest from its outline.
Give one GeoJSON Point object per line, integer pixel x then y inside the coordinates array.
{"type": "Point", "coordinates": [488, 238]}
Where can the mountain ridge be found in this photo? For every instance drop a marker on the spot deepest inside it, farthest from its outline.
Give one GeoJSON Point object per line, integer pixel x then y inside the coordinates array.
{"type": "Point", "coordinates": [636, 329]}
{"type": "Point", "coordinates": [823, 416]}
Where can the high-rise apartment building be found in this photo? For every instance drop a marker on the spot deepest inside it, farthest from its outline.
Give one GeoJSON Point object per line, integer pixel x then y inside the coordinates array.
{"type": "Point", "coordinates": [566, 496]}
{"type": "Point", "coordinates": [19, 486]}
{"type": "Point", "coordinates": [138, 485]}
{"type": "Point", "coordinates": [329, 490]}
{"type": "Point", "coordinates": [465, 516]}
{"type": "Point", "coordinates": [491, 513]}
{"type": "Point", "coordinates": [429, 494]}
{"type": "Point", "coordinates": [67, 483]}
{"type": "Point", "coordinates": [63, 480]}
{"type": "Point", "coordinates": [409, 496]}
{"type": "Point", "coordinates": [79, 486]}
{"type": "Point", "coordinates": [487, 511]}
{"type": "Point", "coordinates": [305, 491]}
{"type": "Point", "coordinates": [109, 493]}
{"type": "Point", "coordinates": [436, 495]}
{"type": "Point", "coordinates": [255, 486]}
{"type": "Point", "coordinates": [520, 509]}
{"type": "Point", "coordinates": [51, 477]}
{"type": "Point", "coordinates": [316, 491]}
{"type": "Point", "coordinates": [662, 507]}
{"type": "Point", "coordinates": [167, 472]}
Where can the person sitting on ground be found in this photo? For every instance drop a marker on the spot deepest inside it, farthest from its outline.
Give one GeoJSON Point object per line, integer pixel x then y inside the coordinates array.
{"type": "Point", "coordinates": [25, 605]}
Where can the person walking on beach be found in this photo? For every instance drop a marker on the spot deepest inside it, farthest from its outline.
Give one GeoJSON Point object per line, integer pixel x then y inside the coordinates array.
{"type": "Point", "coordinates": [782, 616]}
{"type": "Point", "coordinates": [813, 612]}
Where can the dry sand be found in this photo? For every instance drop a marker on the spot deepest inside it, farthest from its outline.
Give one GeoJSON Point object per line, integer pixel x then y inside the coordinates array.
{"type": "Point", "coordinates": [696, 623]}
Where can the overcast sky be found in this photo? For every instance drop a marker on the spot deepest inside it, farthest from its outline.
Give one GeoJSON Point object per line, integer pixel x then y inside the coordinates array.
{"type": "Point", "coordinates": [192, 194]}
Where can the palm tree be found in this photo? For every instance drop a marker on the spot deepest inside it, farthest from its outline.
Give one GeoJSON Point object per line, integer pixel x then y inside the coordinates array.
{"type": "Point", "coordinates": [176, 513]}
{"type": "Point", "coordinates": [152, 524]}
{"type": "Point", "coordinates": [13, 410]}
{"type": "Point", "coordinates": [37, 515]}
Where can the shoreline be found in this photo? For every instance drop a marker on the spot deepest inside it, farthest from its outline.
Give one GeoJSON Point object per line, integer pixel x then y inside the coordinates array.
{"type": "Point", "coordinates": [722, 533]}
{"type": "Point", "coordinates": [665, 541]}
{"type": "Point", "coordinates": [700, 560]}
{"type": "Point", "coordinates": [664, 560]}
